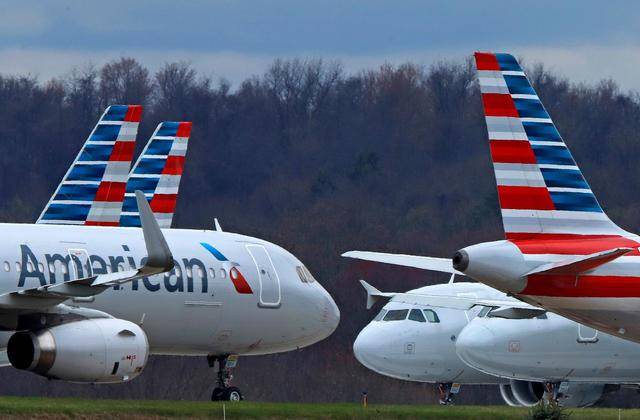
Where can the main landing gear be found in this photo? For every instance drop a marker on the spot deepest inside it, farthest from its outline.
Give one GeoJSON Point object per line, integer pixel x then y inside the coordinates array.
{"type": "Point", "coordinates": [446, 392]}
{"type": "Point", "coordinates": [224, 392]}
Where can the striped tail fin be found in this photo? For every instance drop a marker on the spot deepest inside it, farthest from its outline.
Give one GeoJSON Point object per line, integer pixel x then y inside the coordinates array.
{"type": "Point", "coordinates": [540, 187]}
{"type": "Point", "coordinates": [157, 173]}
{"type": "Point", "coordinates": [92, 190]}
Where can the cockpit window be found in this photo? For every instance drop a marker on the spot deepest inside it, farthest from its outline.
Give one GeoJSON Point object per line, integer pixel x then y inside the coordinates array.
{"type": "Point", "coordinates": [431, 316]}
{"type": "Point", "coordinates": [310, 277]}
{"type": "Point", "coordinates": [304, 274]}
{"type": "Point", "coordinates": [380, 315]}
{"type": "Point", "coordinates": [396, 315]}
{"type": "Point", "coordinates": [416, 315]}
{"type": "Point", "coordinates": [542, 316]}
{"type": "Point", "coordinates": [485, 310]}
{"type": "Point", "coordinates": [301, 274]}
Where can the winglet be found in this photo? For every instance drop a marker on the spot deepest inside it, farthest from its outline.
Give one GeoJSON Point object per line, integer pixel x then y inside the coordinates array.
{"type": "Point", "coordinates": [217, 224]}
{"type": "Point", "coordinates": [158, 252]}
{"type": "Point", "coordinates": [374, 294]}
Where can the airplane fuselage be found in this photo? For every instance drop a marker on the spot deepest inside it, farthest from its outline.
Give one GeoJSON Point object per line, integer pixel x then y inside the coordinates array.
{"type": "Point", "coordinates": [547, 349]}
{"type": "Point", "coordinates": [227, 294]}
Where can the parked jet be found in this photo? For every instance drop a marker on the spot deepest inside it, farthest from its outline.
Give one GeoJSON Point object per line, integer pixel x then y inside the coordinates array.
{"type": "Point", "coordinates": [426, 334]}
{"type": "Point", "coordinates": [414, 341]}
{"type": "Point", "coordinates": [90, 303]}
{"type": "Point", "coordinates": [560, 251]}
{"type": "Point", "coordinates": [548, 349]}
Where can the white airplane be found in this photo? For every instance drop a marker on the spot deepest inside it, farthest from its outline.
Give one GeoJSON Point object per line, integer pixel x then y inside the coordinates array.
{"type": "Point", "coordinates": [561, 251]}
{"type": "Point", "coordinates": [530, 354]}
{"type": "Point", "coordinates": [412, 340]}
{"type": "Point", "coordinates": [89, 303]}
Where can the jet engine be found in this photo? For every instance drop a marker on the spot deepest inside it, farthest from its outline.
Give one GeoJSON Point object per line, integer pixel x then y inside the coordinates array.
{"type": "Point", "coordinates": [527, 394]}
{"type": "Point", "coordinates": [91, 350]}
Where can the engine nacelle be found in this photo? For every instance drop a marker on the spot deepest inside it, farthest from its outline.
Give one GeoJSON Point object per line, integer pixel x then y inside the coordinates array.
{"type": "Point", "coordinates": [528, 393]}
{"type": "Point", "coordinates": [92, 350]}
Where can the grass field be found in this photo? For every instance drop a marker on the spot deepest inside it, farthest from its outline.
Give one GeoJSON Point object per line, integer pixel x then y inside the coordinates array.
{"type": "Point", "coordinates": [63, 408]}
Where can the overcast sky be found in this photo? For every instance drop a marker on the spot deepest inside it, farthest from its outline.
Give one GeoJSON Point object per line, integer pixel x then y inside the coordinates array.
{"type": "Point", "coordinates": [583, 40]}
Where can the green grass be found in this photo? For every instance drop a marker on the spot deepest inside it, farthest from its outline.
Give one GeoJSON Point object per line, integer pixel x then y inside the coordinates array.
{"type": "Point", "coordinates": [82, 408]}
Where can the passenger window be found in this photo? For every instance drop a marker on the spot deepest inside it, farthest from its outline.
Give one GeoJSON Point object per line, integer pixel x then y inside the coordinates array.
{"type": "Point", "coordinates": [189, 272]}
{"type": "Point", "coordinates": [416, 315]}
{"type": "Point", "coordinates": [29, 267]}
{"type": "Point", "coordinates": [380, 315]}
{"type": "Point", "coordinates": [7, 266]}
{"type": "Point", "coordinates": [431, 316]}
{"type": "Point", "coordinates": [212, 273]}
{"type": "Point", "coordinates": [40, 267]}
{"type": "Point", "coordinates": [397, 315]}
{"type": "Point", "coordinates": [18, 267]}
{"type": "Point", "coordinates": [223, 273]}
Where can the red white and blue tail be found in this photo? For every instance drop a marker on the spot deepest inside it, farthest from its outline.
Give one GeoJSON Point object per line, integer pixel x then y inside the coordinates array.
{"type": "Point", "coordinates": [157, 173]}
{"type": "Point", "coordinates": [92, 190]}
{"type": "Point", "coordinates": [540, 187]}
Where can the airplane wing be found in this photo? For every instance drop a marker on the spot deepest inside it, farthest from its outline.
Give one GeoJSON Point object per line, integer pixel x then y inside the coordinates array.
{"type": "Point", "coordinates": [503, 308]}
{"type": "Point", "coordinates": [159, 260]}
{"type": "Point", "coordinates": [442, 265]}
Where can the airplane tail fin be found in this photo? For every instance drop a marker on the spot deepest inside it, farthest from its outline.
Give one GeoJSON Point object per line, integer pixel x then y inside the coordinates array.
{"type": "Point", "coordinates": [540, 187]}
{"type": "Point", "coordinates": [92, 190]}
{"type": "Point", "coordinates": [157, 173]}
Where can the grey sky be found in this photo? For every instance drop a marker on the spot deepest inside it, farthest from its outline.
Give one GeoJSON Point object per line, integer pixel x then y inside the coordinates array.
{"type": "Point", "coordinates": [583, 40]}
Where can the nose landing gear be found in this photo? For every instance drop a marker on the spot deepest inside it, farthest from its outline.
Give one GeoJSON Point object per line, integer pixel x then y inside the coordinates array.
{"type": "Point", "coordinates": [224, 392]}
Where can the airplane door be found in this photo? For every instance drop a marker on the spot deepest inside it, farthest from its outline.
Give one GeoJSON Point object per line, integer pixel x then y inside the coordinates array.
{"type": "Point", "coordinates": [80, 266]}
{"type": "Point", "coordinates": [268, 276]}
{"type": "Point", "coordinates": [587, 334]}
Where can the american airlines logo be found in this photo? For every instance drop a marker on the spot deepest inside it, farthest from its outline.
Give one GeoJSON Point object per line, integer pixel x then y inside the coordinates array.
{"type": "Point", "coordinates": [58, 268]}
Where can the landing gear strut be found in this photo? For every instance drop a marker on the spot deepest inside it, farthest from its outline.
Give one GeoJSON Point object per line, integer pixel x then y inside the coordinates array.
{"type": "Point", "coordinates": [446, 392]}
{"type": "Point", "coordinates": [223, 392]}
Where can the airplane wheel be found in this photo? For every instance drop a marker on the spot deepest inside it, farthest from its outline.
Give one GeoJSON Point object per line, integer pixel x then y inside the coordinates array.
{"type": "Point", "coordinates": [216, 395]}
{"type": "Point", "coordinates": [232, 394]}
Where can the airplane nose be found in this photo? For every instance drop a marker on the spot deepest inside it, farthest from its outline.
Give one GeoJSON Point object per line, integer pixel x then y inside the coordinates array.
{"type": "Point", "coordinates": [369, 348]}
{"type": "Point", "coordinates": [332, 317]}
{"type": "Point", "coordinates": [476, 345]}
{"type": "Point", "coordinates": [327, 310]}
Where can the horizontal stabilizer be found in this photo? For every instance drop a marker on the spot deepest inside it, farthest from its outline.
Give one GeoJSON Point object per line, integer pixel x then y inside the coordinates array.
{"type": "Point", "coordinates": [504, 308]}
{"type": "Point", "coordinates": [442, 265]}
{"type": "Point", "coordinates": [461, 303]}
{"type": "Point", "coordinates": [580, 264]}
{"type": "Point", "coordinates": [374, 294]}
